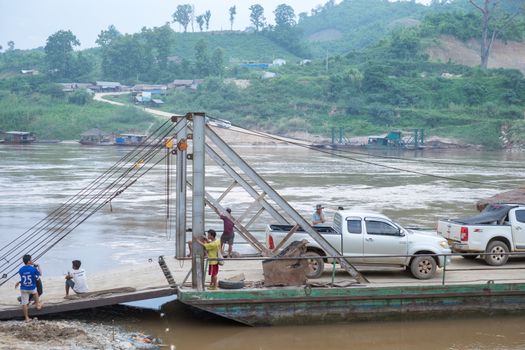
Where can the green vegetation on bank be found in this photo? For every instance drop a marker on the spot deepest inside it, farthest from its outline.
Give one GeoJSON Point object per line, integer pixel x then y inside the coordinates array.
{"type": "Point", "coordinates": [43, 108]}
{"type": "Point", "coordinates": [381, 79]}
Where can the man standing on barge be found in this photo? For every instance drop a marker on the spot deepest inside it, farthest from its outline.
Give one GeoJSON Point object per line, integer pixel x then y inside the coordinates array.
{"type": "Point", "coordinates": [318, 215]}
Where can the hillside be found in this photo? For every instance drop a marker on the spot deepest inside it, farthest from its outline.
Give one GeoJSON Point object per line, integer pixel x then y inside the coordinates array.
{"type": "Point", "coordinates": [509, 55]}
{"type": "Point", "coordinates": [356, 24]}
{"type": "Point", "coordinates": [236, 46]}
{"type": "Point", "coordinates": [379, 66]}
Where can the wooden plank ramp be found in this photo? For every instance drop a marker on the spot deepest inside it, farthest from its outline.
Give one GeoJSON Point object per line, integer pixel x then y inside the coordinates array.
{"type": "Point", "coordinates": [90, 300]}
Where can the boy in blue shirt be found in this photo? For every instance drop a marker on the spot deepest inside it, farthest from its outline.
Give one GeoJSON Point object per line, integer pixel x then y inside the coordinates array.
{"type": "Point", "coordinates": [28, 276]}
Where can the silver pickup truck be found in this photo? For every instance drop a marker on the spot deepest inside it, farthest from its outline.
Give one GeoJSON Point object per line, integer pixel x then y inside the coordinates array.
{"type": "Point", "coordinates": [370, 239]}
{"type": "Point", "coordinates": [498, 229]}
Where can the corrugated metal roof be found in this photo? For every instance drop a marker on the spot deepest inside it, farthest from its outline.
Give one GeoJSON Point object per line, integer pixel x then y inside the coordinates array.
{"type": "Point", "coordinates": [108, 84]}
{"type": "Point", "coordinates": [17, 132]}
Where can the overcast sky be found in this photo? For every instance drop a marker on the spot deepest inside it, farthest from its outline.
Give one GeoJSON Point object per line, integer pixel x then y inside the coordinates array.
{"type": "Point", "coordinates": [29, 22]}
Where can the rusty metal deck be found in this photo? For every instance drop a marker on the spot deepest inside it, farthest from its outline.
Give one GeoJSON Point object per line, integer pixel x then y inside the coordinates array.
{"type": "Point", "coordinates": [92, 300]}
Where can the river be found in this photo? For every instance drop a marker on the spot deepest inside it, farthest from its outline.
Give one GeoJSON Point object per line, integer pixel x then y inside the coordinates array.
{"type": "Point", "coordinates": [37, 178]}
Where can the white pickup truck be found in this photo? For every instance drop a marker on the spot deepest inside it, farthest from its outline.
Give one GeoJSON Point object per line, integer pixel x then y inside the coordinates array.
{"type": "Point", "coordinates": [369, 239]}
{"type": "Point", "coordinates": [498, 229]}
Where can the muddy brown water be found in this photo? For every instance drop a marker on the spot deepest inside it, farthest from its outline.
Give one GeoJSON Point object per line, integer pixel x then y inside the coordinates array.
{"type": "Point", "coordinates": [35, 179]}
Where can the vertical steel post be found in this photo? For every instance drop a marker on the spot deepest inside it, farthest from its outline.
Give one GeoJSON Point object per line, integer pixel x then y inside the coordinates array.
{"type": "Point", "coordinates": [180, 188]}
{"type": "Point", "coordinates": [199, 124]}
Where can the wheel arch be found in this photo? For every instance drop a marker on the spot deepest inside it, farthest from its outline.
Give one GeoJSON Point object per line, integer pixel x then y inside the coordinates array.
{"type": "Point", "coordinates": [502, 240]}
{"type": "Point", "coordinates": [425, 252]}
{"type": "Point", "coordinates": [317, 250]}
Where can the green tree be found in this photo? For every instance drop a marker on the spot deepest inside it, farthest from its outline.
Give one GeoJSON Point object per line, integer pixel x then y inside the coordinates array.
{"type": "Point", "coordinates": [207, 16]}
{"type": "Point", "coordinates": [200, 21]}
{"type": "Point", "coordinates": [284, 16]}
{"type": "Point", "coordinates": [59, 53]}
{"type": "Point", "coordinates": [233, 12]}
{"type": "Point", "coordinates": [159, 42]}
{"type": "Point", "coordinates": [217, 62]}
{"type": "Point", "coordinates": [126, 59]}
{"type": "Point", "coordinates": [405, 43]}
{"type": "Point", "coordinates": [257, 16]}
{"type": "Point", "coordinates": [303, 16]}
{"type": "Point", "coordinates": [10, 45]}
{"type": "Point", "coordinates": [105, 37]}
{"type": "Point", "coordinates": [82, 65]}
{"type": "Point", "coordinates": [182, 15]}
{"type": "Point", "coordinates": [202, 61]}
{"type": "Point", "coordinates": [79, 97]}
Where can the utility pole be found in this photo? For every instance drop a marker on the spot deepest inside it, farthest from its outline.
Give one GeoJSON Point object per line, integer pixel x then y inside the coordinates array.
{"type": "Point", "coordinates": [180, 190]}
{"type": "Point", "coordinates": [197, 279]}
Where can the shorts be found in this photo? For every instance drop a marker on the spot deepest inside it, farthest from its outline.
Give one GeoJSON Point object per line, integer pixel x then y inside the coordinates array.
{"type": "Point", "coordinates": [213, 270]}
{"type": "Point", "coordinates": [71, 284]}
{"type": "Point", "coordinates": [25, 294]}
{"type": "Point", "coordinates": [227, 239]}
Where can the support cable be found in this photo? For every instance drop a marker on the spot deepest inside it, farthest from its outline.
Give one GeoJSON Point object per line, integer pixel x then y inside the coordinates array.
{"type": "Point", "coordinates": [57, 217]}
{"type": "Point", "coordinates": [276, 138]}
{"type": "Point", "coordinates": [103, 195]}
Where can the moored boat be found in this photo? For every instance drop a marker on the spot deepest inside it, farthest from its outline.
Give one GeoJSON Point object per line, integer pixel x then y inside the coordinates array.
{"type": "Point", "coordinates": [18, 137]}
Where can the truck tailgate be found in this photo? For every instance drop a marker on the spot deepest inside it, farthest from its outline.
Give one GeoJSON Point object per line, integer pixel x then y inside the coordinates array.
{"type": "Point", "coordinates": [449, 230]}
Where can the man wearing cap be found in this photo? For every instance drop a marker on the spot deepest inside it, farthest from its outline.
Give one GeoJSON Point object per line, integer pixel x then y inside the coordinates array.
{"type": "Point", "coordinates": [318, 215]}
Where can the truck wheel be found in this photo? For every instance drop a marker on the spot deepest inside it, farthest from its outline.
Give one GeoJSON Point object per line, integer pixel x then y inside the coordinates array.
{"type": "Point", "coordinates": [315, 265]}
{"type": "Point", "coordinates": [423, 267]}
{"type": "Point", "coordinates": [497, 256]}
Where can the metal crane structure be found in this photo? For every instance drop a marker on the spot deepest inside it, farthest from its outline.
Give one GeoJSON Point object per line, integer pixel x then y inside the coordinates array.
{"type": "Point", "coordinates": [172, 138]}
{"type": "Point", "coordinates": [205, 142]}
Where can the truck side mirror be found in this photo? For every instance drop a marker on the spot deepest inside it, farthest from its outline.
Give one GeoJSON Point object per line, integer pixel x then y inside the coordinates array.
{"type": "Point", "coordinates": [400, 233]}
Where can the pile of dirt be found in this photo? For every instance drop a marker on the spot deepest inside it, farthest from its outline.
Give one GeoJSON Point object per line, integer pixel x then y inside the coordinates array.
{"type": "Point", "coordinates": [58, 335]}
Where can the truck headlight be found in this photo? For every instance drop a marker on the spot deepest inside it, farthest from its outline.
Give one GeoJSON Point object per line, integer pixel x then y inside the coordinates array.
{"type": "Point", "coordinates": [444, 244]}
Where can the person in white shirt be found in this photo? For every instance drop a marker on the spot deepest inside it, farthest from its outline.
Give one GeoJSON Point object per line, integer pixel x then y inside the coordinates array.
{"type": "Point", "coordinates": [76, 279]}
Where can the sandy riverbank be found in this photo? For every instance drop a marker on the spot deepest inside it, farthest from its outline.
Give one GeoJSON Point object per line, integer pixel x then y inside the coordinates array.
{"type": "Point", "coordinates": [58, 335]}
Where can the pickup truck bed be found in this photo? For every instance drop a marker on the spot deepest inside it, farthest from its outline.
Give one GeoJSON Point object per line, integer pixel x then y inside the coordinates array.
{"type": "Point", "coordinates": [287, 228]}
{"type": "Point", "coordinates": [498, 230]}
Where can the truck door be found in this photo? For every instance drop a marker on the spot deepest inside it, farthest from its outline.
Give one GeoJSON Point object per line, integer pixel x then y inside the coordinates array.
{"type": "Point", "coordinates": [352, 239]}
{"type": "Point", "coordinates": [382, 239]}
{"type": "Point", "coordinates": [517, 221]}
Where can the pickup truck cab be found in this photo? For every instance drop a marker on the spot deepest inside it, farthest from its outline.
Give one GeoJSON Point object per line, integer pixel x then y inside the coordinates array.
{"type": "Point", "coordinates": [497, 230]}
{"type": "Point", "coordinates": [370, 239]}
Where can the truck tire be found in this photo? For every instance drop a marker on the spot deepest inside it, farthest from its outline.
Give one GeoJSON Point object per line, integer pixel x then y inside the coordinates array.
{"type": "Point", "coordinates": [231, 284]}
{"type": "Point", "coordinates": [496, 249]}
{"type": "Point", "coordinates": [315, 265]}
{"type": "Point", "coordinates": [423, 267]}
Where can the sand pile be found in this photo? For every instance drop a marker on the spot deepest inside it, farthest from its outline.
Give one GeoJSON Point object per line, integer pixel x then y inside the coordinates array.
{"type": "Point", "coordinates": [62, 335]}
